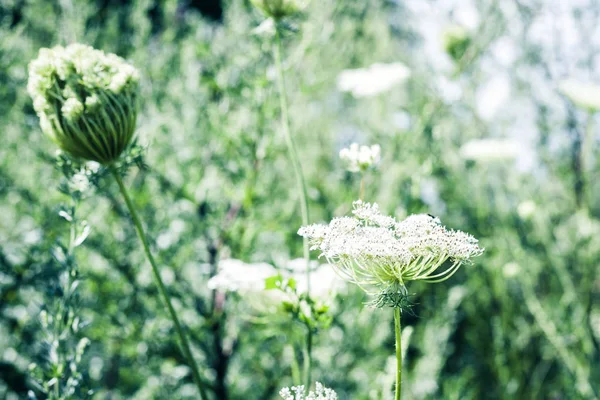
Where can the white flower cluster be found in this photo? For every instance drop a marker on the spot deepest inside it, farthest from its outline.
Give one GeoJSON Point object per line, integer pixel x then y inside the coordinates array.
{"type": "Point", "coordinates": [360, 158]}
{"type": "Point", "coordinates": [238, 276]}
{"type": "Point", "coordinates": [375, 250]}
{"type": "Point", "coordinates": [298, 393]}
{"type": "Point", "coordinates": [490, 150]}
{"type": "Point", "coordinates": [583, 95]}
{"type": "Point", "coordinates": [373, 80]}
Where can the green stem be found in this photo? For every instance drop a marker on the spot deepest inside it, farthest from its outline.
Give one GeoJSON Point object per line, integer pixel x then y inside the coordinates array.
{"type": "Point", "coordinates": [300, 182]}
{"type": "Point", "coordinates": [161, 286]}
{"type": "Point", "coordinates": [397, 326]}
{"type": "Point", "coordinates": [361, 193]}
{"type": "Point", "coordinates": [308, 359]}
{"type": "Point", "coordinates": [285, 125]}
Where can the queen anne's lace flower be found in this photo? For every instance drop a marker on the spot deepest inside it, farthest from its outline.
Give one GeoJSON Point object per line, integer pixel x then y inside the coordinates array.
{"type": "Point", "coordinates": [298, 393]}
{"type": "Point", "coordinates": [360, 158]}
{"type": "Point", "coordinates": [85, 99]}
{"type": "Point", "coordinates": [380, 254]}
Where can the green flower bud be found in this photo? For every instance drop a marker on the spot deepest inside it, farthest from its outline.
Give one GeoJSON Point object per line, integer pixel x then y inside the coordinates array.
{"type": "Point", "coordinates": [456, 41]}
{"type": "Point", "coordinates": [86, 100]}
{"type": "Point", "coordinates": [278, 9]}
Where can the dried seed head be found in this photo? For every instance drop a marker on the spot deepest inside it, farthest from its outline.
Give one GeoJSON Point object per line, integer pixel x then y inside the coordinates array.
{"type": "Point", "coordinates": [85, 99]}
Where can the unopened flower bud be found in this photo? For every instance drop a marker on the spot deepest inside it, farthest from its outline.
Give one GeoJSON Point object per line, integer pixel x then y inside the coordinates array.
{"type": "Point", "coordinates": [86, 100]}
{"type": "Point", "coordinates": [456, 41]}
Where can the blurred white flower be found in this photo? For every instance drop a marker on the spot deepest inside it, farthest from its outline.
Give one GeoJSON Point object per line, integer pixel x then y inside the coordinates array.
{"type": "Point", "coordinates": [360, 158]}
{"type": "Point", "coordinates": [491, 96]}
{"type": "Point", "coordinates": [511, 269]}
{"type": "Point", "coordinates": [489, 150]}
{"type": "Point", "coordinates": [526, 209]}
{"type": "Point", "coordinates": [373, 80]}
{"type": "Point", "coordinates": [236, 275]}
{"type": "Point", "coordinates": [584, 95]}
{"type": "Point", "coordinates": [323, 279]}
{"type": "Point", "coordinates": [298, 393]}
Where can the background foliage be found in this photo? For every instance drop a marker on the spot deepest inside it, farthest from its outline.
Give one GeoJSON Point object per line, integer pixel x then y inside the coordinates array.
{"type": "Point", "coordinates": [522, 323]}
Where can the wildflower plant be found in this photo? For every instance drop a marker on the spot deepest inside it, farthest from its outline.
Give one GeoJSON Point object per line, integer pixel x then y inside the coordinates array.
{"type": "Point", "coordinates": [87, 104]}
{"type": "Point", "coordinates": [382, 255]}
{"type": "Point", "coordinates": [57, 373]}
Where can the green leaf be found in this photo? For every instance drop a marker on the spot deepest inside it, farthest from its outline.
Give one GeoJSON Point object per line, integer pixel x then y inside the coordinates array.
{"type": "Point", "coordinates": [273, 282]}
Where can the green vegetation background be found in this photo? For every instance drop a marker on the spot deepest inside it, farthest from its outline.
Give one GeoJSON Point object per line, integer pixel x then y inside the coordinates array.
{"type": "Point", "coordinates": [522, 323]}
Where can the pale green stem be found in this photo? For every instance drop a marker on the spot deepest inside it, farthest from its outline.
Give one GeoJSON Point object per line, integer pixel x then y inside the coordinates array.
{"type": "Point", "coordinates": [185, 346]}
{"type": "Point", "coordinates": [308, 358]}
{"type": "Point", "coordinates": [586, 152]}
{"type": "Point", "coordinates": [301, 184]}
{"type": "Point", "coordinates": [295, 368]}
{"type": "Point", "coordinates": [398, 326]}
{"type": "Point", "coordinates": [361, 193]}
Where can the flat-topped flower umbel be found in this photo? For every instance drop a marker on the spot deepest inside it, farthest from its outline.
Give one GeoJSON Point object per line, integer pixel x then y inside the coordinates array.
{"type": "Point", "coordinates": [381, 254]}
{"type": "Point", "coordinates": [85, 99]}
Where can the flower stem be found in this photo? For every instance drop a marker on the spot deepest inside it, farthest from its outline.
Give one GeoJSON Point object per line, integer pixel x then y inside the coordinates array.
{"type": "Point", "coordinates": [308, 359]}
{"type": "Point", "coordinates": [161, 286]}
{"type": "Point", "coordinates": [361, 193]}
{"type": "Point", "coordinates": [300, 182]}
{"type": "Point", "coordinates": [398, 330]}
{"type": "Point", "coordinates": [285, 125]}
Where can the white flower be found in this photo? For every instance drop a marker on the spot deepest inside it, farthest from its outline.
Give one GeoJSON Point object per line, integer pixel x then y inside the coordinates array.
{"type": "Point", "coordinates": [511, 269]}
{"type": "Point", "coordinates": [584, 95]}
{"type": "Point", "coordinates": [236, 275]}
{"type": "Point", "coordinates": [323, 279]}
{"type": "Point", "coordinates": [376, 251]}
{"type": "Point", "coordinates": [489, 150]}
{"type": "Point", "coordinates": [298, 393]}
{"type": "Point", "coordinates": [373, 80]}
{"type": "Point", "coordinates": [526, 209]}
{"type": "Point", "coordinates": [360, 158]}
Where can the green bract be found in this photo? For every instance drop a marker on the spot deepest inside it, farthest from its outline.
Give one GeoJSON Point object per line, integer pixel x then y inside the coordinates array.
{"type": "Point", "coordinates": [456, 40]}
{"type": "Point", "coordinates": [85, 99]}
{"type": "Point", "coordinates": [278, 9]}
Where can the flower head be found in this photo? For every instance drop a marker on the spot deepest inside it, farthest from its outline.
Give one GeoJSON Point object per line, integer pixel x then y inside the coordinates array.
{"type": "Point", "coordinates": [360, 158]}
{"type": "Point", "coordinates": [381, 254]}
{"type": "Point", "coordinates": [278, 9]}
{"type": "Point", "coordinates": [490, 150]}
{"type": "Point", "coordinates": [373, 80]}
{"type": "Point", "coordinates": [298, 393]}
{"type": "Point", "coordinates": [85, 99]}
{"type": "Point", "coordinates": [583, 95]}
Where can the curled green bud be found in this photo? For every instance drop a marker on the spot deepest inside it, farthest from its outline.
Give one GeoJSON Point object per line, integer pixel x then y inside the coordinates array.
{"type": "Point", "coordinates": [86, 100]}
{"type": "Point", "coordinates": [456, 41]}
{"type": "Point", "coordinates": [278, 9]}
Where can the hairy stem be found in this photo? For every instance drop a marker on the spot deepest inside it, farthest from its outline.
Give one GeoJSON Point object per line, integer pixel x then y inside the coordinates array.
{"type": "Point", "coordinates": [161, 286]}
{"type": "Point", "coordinates": [398, 330]}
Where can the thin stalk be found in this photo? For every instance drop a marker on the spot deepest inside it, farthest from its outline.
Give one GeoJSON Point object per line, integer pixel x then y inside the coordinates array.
{"type": "Point", "coordinates": [161, 286]}
{"type": "Point", "coordinates": [398, 326]}
{"type": "Point", "coordinates": [285, 126]}
{"type": "Point", "coordinates": [308, 359]}
{"type": "Point", "coordinates": [300, 182]}
{"type": "Point", "coordinates": [361, 193]}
